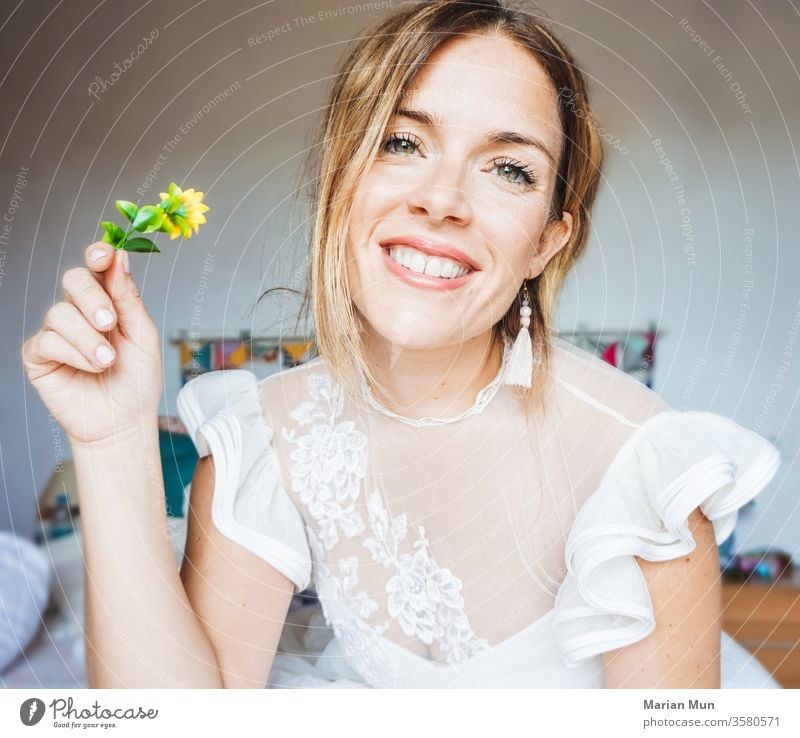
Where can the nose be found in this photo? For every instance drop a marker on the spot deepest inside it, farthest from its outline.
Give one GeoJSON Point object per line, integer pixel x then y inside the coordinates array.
{"type": "Point", "coordinates": [442, 194]}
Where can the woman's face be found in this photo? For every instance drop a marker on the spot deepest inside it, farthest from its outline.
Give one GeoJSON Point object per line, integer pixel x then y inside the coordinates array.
{"type": "Point", "coordinates": [462, 204]}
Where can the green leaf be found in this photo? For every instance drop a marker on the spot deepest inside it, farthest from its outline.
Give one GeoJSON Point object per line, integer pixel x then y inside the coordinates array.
{"type": "Point", "coordinates": [170, 204]}
{"type": "Point", "coordinates": [166, 227]}
{"type": "Point", "coordinates": [141, 245]}
{"type": "Point", "coordinates": [113, 233]}
{"type": "Point", "coordinates": [180, 221]}
{"type": "Point", "coordinates": [149, 218]}
{"type": "Point", "coordinates": [128, 209]}
{"type": "Point", "coordinates": [173, 199]}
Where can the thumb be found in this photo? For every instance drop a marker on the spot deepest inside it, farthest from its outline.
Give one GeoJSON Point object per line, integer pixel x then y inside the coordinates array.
{"type": "Point", "coordinates": [125, 296]}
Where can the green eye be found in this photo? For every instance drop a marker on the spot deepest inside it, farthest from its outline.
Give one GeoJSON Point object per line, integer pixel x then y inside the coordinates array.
{"type": "Point", "coordinates": [400, 143]}
{"type": "Point", "coordinates": [521, 174]}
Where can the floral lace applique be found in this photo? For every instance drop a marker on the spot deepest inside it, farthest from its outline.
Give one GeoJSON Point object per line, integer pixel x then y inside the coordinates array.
{"type": "Point", "coordinates": [424, 598]}
{"type": "Point", "coordinates": [329, 463]}
{"type": "Point", "coordinates": [347, 613]}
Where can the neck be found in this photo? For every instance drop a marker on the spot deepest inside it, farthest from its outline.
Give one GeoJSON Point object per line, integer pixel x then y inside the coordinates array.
{"type": "Point", "coordinates": [432, 382]}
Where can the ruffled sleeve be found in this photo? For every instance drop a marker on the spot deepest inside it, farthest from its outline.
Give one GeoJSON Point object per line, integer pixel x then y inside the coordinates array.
{"type": "Point", "coordinates": [673, 463]}
{"type": "Point", "coordinates": [222, 411]}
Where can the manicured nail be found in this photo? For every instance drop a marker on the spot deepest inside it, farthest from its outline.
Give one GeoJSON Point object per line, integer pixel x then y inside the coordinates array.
{"type": "Point", "coordinates": [104, 354]}
{"type": "Point", "coordinates": [103, 317]}
{"type": "Point", "coordinates": [126, 262]}
{"type": "Point", "coordinates": [97, 254]}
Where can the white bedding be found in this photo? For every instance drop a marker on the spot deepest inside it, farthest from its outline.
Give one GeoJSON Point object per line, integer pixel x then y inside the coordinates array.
{"type": "Point", "coordinates": [55, 658]}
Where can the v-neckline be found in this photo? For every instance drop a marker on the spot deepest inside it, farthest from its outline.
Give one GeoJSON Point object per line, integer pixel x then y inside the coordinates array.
{"type": "Point", "coordinates": [440, 668]}
{"type": "Point", "coordinates": [621, 454]}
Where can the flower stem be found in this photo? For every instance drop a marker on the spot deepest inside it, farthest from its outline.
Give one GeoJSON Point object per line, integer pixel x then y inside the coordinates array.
{"type": "Point", "coordinates": [124, 238]}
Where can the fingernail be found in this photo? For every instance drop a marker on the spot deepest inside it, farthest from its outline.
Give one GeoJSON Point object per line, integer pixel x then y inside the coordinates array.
{"type": "Point", "coordinates": [97, 254]}
{"type": "Point", "coordinates": [126, 262]}
{"type": "Point", "coordinates": [103, 317]}
{"type": "Point", "coordinates": [104, 354]}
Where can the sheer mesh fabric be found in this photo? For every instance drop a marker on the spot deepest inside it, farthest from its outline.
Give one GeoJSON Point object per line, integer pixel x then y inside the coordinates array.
{"type": "Point", "coordinates": [445, 537]}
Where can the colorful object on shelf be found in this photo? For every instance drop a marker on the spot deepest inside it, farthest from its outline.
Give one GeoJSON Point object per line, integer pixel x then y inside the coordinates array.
{"type": "Point", "coordinates": [297, 350]}
{"type": "Point", "coordinates": [179, 213]}
{"type": "Point", "coordinates": [633, 352]}
{"type": "Point", "coordinates": [213, 354]}
{"type": "Point", "coordinates": [61, 518]}
{"type": "Point", "coordinates": [178, 460]}
{"type": "Point", "coordinates": [765, 564]}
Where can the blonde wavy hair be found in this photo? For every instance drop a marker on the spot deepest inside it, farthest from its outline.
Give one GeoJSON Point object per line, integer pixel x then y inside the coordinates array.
{"type": "Point", "coordinates": [373, 78]}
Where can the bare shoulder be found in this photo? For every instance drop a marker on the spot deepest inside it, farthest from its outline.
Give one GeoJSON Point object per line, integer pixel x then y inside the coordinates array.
{"type": "Point", "coordinates": [285, 390]}
{"type": "Point", "coordinates": [618, 394]}
{"type": "Point", "coordinates": [683, 649]}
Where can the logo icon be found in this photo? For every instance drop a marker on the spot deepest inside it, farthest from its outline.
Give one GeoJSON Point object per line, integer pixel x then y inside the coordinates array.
{"type": "Point", "coordinates": [31, 711]}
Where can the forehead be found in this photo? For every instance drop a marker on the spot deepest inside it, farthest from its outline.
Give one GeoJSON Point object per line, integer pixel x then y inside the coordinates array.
{"type": "Point", "coordinates": [485, 82]}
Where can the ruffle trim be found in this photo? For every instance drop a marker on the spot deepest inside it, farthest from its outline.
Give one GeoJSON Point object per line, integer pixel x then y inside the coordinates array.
{"type": "Point", "coordinates": [673, 463]}
{"type": "Point", "coordinates": [222, 411]}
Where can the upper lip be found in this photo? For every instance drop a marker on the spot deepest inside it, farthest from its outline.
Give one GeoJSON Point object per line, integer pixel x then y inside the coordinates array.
{"type": "Point", "coordinates": [433, 248]}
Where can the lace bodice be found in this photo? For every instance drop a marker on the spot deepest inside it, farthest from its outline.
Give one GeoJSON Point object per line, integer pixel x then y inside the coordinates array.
{"type": "Point", "coordinates": [435, 544]}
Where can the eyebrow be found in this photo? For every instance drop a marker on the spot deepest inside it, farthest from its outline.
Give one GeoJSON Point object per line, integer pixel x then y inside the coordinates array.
{"type": "Point", "coordinates": [494, 136]}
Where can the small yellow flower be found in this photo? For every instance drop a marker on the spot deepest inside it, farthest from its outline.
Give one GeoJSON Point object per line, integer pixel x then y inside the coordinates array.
{"type": "Point", "coordinates": [177, 214]}
{"type": "Point", "coordinates": [183, 211]}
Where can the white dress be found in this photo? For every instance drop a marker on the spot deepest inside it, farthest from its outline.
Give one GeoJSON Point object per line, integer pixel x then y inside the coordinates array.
{"type": "Point", "coordinates": [470, 550]}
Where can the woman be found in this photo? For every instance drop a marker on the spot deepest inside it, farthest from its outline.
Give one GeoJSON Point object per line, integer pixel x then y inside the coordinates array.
{"type": "Point", "coordinates": [475, 502]}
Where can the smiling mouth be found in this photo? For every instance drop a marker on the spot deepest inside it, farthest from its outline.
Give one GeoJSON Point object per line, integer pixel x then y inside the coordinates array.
{"type": "Point", "coordinates": [418, 262]}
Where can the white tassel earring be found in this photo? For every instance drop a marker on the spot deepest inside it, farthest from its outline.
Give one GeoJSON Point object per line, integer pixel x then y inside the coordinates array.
{"type": "Point", "coordinates": [519, 367]}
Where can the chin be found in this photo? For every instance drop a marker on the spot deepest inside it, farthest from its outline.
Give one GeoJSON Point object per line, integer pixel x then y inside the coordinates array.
{"type": "Point", "coordinates": [412, 337]}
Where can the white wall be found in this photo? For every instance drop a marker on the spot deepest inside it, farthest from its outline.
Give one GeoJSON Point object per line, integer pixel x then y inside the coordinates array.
{"type": "Point", "coordinates": [649, 81]}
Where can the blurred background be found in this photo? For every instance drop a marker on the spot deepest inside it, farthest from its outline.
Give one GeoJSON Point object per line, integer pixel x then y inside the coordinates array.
{"type": "Point", "coordinates": [690, 280]}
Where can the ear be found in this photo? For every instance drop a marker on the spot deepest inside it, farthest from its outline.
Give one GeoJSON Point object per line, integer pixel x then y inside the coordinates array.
{"type": "Point", "coordinates": [554, 237]}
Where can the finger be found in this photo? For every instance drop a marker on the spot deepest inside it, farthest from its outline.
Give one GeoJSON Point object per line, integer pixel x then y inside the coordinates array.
{"type": "Point", "coordinates": [64, 318]}
{"type": "Point", "coordinates": [48, 350]}
{"type": "Point", "coordinates": [132, 317]}
{"type": "Point", "coordinates": [98, 256]}
{"type": "Point", "coordinates": [87, 294]}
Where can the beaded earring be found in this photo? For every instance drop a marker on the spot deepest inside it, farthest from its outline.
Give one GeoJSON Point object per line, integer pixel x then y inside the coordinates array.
{"type": "Point", "coordinates": [519, 367]}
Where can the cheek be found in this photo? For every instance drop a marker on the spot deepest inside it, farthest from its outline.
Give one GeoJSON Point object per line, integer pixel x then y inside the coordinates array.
{"type": "Point", "coordinates": [514, 233]}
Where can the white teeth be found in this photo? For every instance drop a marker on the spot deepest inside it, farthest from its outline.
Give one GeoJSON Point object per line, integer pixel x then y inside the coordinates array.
{"type": "Point", "coordinates": [434, 266]}
{"type": "Point", "coordinates": [417, 263]}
